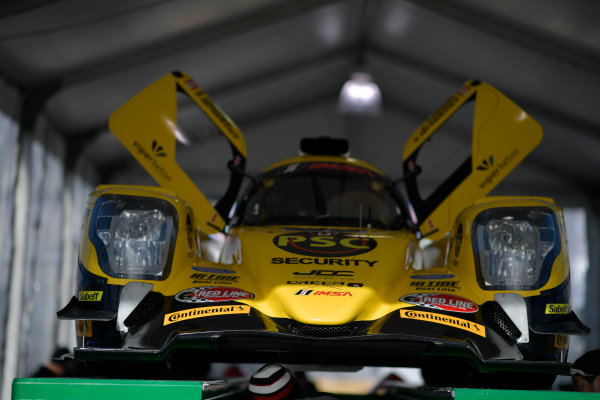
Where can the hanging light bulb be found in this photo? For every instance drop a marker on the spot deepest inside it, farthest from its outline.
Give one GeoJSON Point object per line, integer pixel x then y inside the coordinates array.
{"type": "Point", "coordinates": [360, 95]}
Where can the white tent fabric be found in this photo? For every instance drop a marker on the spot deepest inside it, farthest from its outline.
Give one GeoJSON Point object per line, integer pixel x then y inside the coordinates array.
{"type": "Point", "coordinates": [9, 148]}
{"type": "Point", "coordinates": [41, 205]}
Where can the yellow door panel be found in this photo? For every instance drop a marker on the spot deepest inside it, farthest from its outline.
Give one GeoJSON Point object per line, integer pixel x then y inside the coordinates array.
{"type": "Point", "coordinates": [147, 127]}
{"type": "Point", "coordinates": [501, 135]}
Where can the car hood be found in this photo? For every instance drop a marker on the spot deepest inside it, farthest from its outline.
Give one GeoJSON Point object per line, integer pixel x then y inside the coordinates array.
{"type": "Point", "coordinates": [320, 275]}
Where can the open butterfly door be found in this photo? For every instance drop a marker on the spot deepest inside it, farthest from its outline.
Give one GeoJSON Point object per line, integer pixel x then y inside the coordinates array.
{"type": "Point", "coordinates": [147, 127]}
{"type": "Point", "coordinates": [478, 137]}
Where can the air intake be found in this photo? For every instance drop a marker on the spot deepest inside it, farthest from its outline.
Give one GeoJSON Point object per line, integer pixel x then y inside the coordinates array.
{"type": "Point", "coordinates": [297, 328]}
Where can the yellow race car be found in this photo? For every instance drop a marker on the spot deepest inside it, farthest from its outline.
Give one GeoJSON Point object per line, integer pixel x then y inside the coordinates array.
{"type": "Point", "coordinates": [324, 261]}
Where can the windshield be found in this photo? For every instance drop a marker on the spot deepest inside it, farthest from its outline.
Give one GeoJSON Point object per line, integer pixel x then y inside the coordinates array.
{"type": "Point", "coordinates": [330, 194]}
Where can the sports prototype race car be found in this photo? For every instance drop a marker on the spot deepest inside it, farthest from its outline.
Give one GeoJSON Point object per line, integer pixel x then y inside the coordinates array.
{"type": "Point", "coordinates": [324, 260]}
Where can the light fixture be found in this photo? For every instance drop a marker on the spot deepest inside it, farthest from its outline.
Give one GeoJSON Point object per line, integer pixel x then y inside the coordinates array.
{"type": "Point", "coordinates": [360, 95]}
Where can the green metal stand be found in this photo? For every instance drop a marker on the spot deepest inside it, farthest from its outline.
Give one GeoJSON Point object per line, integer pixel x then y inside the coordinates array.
{"type": "Point", "coordinates": [116, 389]}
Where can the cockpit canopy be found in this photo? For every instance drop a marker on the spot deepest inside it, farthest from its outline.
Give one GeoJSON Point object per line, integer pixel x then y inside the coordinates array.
{"type": "Point", "coordinates": [323, 193]}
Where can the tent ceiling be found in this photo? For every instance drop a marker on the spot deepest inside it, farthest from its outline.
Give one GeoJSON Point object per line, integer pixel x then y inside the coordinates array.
{"type": "Point", "coordinates": [276, 68]}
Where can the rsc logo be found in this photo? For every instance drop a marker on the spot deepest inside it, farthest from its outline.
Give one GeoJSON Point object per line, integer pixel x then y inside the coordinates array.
{"type": "Point", "coordinates": [324, 244]}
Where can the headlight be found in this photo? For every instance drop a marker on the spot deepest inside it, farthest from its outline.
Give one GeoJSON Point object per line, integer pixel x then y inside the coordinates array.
{"type": "Point", "coordinates": [134, 236]}
{"type": "Point", "coordinates": [515, 247]}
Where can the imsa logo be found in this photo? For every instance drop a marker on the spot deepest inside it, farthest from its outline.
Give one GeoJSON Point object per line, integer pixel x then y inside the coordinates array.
{"type": "Point", "coordinates": [307, 292]}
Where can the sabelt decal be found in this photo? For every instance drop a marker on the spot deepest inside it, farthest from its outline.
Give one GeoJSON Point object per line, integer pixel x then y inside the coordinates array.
{"type": "Point", "coordinates": [444, 320]}
{"type": "Point", "coordinates": [90, 295]}
{"type": "Point", "coordinates": [324, 244]}
{"type": "Point", "coordinates": [557, 308]}
{"type": "Point", "coordinates": [201, 312]}
{"type": "Point", "coordinates": [212, 294]}
{"type": "Point", "coordinates": [441, 301]}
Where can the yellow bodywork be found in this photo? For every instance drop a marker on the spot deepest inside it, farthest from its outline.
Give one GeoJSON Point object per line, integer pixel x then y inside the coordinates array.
{"type": "Point", "coordinates": [327, 275]}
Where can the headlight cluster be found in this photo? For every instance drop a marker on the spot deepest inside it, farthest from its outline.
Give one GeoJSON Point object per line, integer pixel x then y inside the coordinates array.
{"type": "Point", "coordinates": [134, 236]}
{"type": "Point", "coordinates": [515, 247]}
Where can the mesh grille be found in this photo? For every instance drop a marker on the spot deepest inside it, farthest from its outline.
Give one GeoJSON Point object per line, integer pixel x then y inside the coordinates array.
{"type": "Point", "coordinates": [297, 328]}
{"type": "Point", "coordinates": [149, 307]}
{"type": "Point", "coordinates": [494, 312]}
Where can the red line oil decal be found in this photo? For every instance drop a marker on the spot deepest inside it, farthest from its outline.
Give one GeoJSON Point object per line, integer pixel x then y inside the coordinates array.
{"type": "Point", "coordinates": [324, 244]}
{"type": "Point", "coordinates": [212, 294]}
{"type": "Point", "coordinates": [441, 301]}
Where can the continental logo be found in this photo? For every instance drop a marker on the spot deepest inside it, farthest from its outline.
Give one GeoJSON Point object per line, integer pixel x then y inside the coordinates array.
{"type": "Point", "coordinates": [445, 320]}
{"type": "Point", "coordinates": [89, 295]}
{"type": "Point", "coordinates": [204, 312]}
{"type": "Point", "coordinates": [150, 158]}
{"type": "Point", "coordinates": [557, 308]}
{"type": "Point", "coordinates": [324, 244]}
{"type": "Point", "coordinates": [494, 172]}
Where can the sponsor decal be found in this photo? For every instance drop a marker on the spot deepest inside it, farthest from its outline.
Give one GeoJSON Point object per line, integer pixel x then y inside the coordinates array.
{"type": "Point", "coordinates": [326, 283]}
{"type": "Point", "coordinates": [189, 231]}
{"type": "Point", "coordinates": [441, 301]}
{"type": "Point", "coordinates": [561, 342]}
{"type": "Point", "coordinates": [454, 322]}
{"type": "Point", "coordinates": [158, 149]}
{"type": "Point", "coordinates": [201, 312]}
{"type": "Point", "coordinates": [214, 279]}
{"type": "Point", "coordinates": [557, 308]}
{"type": "Point", "coordinates": [150, 158]}
{"type": "Point", "coordinates": [212, 294]}
{"type": "Point", "coordinates": [223, 121]}
{"type": "Point", "coordinates": [84, 328]}
{"type": "Point", "coordinates": [290, 168]}
{"type": "Point", "coordinates": [325, 272]}
{"type": "Point", "coordinates": [310, 292]}
{"type": "Point", "coordinates": [191, 84]}
{"type": "Point", "coordinates": [342, 167]}
{"type": "Point", "coordinates": [458, 240]}
{"type": "Point", "coordinates": [486, 164]}
{"type": "Point", "coordinates": [494, 172]}
{"type": "Point", "coordinates": [211, 270]}
{"type": "Point", "coordinates": [323, 261]}
{"type": "Point", "coordinates": [90, 295]}
{"type": "Point", "coordinates": [434, 118]}
{"type": "Point", "coordinates": [432, 276]}
{"type": "Point", "coordinates": [324, 244]}
{"type": "Point", "coordinates": [435, 285]}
